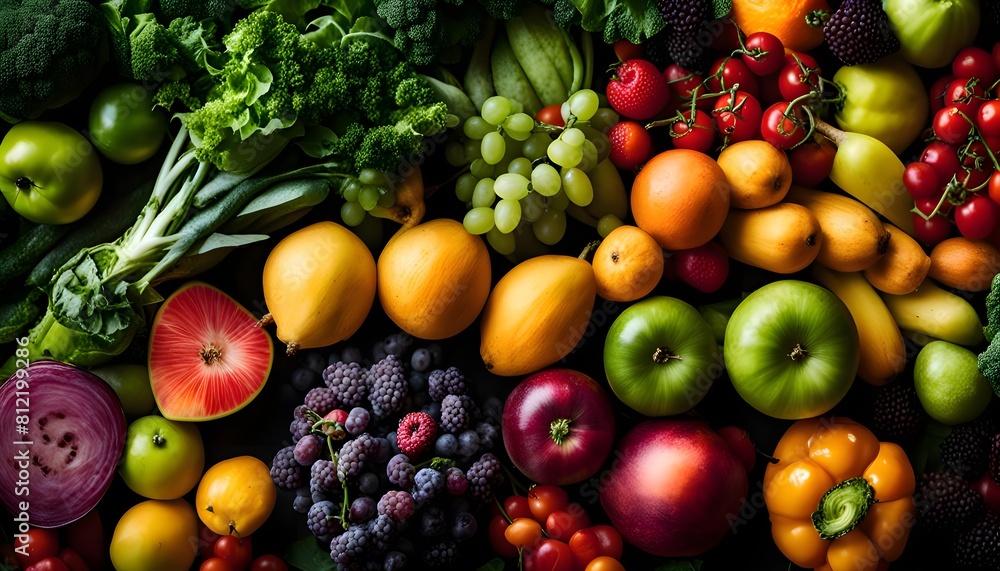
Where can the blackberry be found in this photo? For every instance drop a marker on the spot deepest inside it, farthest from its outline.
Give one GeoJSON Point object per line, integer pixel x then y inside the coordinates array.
{"type": "Point", "coordinates": [427, 483]}
{"type": "Point", "coordinates": [285, 471]}
{"type": "Point", "coordinates": [688, 52]}
{"type": "Point", "coordinates": [860, 32]}
{"type": "Point", "coordinates": [389, 386]}
{"type": "Point", "coordinates": [995, 457]}
{"type": "Point", "coordinates": [323, 476]}
{"type": "Point", "coordinates": [896, 412]}
{"type": "Point", "coordinates": [946, 502]}
{"type": "Point", "coordinates": [362, 509]}
{"type": "Point", "coordinates": [351, 546]}
{"type": "Point", "coordinates": [353, 455]}
{"type": "Point", "coordinates": [307, 449]}
{"type": "Point", "coordinates": [455, 481]}
{"type": "Point", "coordinates": [441, 554]}
{"type": "Point", "coordinates": [655, 50]}
{"type": "Point", "coordinates": [400, 471]}
{"type": "Point", "coordinates": [382, 529]}
{"type": "Point", "coordinates": [357, 420]}
{"type": "Point", "coordinates": [979, 547]}
{"type": "Point", "coordinates": [455, 415]}
{"type": "Point", "coordinates": [350, 382]}
{"type": "Point", "coordinates": [444, 382]}
{"type": "Point", "coordinates": [299, 428]}
{"type": "Point", "coordinates": [321, 400]}
{"type": "Point", "coordinates": [966, 448]}
{"type": "Point", "coordinates": [322, 519]}
{"type": "Point", "coordinates": [432, 521]}
{"type": "Point", "coordinates": [483, 475]}
{"type": "Point", "coordinates": [397, 504]}
{"type": "Point", "coordinates": [684, 16]}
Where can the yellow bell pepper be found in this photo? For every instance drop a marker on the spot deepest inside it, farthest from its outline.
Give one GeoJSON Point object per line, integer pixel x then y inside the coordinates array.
{"type": "Point", "coordinates": [839, 500]}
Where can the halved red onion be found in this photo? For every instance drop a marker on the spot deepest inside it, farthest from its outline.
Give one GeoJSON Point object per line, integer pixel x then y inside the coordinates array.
{"type": "Point", "coordinates": [62, 432]}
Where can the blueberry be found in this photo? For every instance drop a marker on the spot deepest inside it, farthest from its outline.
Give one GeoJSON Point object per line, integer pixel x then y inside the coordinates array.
{"type": "Point", "coordinates": [352, 355]}
{"type": "Point", "coordinates": [446, 445]}
{"type": "Point", "coordinates": [315, 361]}
{"type": "Point", "coordinates": [463, 526]}
{"type": "Point", "coordinates": [468, 444]}
{"type": "Point", "coordinates": [421, 359]}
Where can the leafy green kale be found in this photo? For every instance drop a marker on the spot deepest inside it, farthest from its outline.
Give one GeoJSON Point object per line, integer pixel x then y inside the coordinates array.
{"type": "Point", "coordinates": [50, 51]}
{"type": "Point", "coordinates": [989, 360]}
{"type": "Point", "coordinates": [632, 20]}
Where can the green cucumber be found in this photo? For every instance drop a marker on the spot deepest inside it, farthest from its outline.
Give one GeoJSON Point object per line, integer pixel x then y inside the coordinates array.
{"type": "Point", "coordinates": [478, 80]}
{"type": "Point", "coordinates": [509, 78]}
{"type": "Point", "coordinates": [30, 246]}
{"type": "Point", "coordinates": [536, 64]}
{"type": "Point", "coordinates": [18, 313]}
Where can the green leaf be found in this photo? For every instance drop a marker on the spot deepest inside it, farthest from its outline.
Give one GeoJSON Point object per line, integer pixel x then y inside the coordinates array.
{"type": "Point", "coordinates": [325, 31]}
{"type": "Point", "coordinates": [495, 564]}
{"type": "Point", "coordinates": [721, 8]}
{"type": "Point", "coordinates": [318, 142]}
{"type": "Point", "coordinates": [681, 565]}
{"type": "Point", "coordinates": [216, 241]}
{"type": "Point", "coordinates": [306, 554]}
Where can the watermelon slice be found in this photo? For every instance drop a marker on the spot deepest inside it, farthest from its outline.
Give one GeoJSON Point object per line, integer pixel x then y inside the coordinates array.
{"type": "Point", "coordinates": [207, 356]}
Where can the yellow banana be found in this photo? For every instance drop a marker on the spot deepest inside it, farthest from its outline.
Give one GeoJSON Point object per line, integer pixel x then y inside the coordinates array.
{"type": "Point", "coordinates": [883, 353]}
{"type": "Point", "coordinates": [933, 311]}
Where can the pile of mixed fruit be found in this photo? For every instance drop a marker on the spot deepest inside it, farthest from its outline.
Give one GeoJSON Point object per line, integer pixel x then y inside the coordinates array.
{"type": "Point", "coordinates": [733, 267]}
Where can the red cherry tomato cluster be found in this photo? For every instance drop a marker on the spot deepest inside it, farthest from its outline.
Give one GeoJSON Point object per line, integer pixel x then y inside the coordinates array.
{"type": "Point", "coordinates": [231, 553]}
{"type": "Point", "coordinates": [955, 185]}
{"type": "Point", "coordinates": [78, 546]}
{"type": "Point", "coordinates": [553, 534]}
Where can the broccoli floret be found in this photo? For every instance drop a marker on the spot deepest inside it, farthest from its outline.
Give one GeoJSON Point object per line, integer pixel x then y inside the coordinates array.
{"type": "Point", "coordinates": [426, 28]}
{"type": "Point", "coordinates": [197, 9]}
{"type": "Point", "coordinates": [565, 14]}
{"type": "Point", "coordinates": [386, 145]}
{"type": "Point", "coordinates": [154, 56]}
{"type": "Point", "coordinates": [989, 360]}
{"type": "Point", "coordinates": [50, 51]}
{"type": "Point", "coordinates": [504, 9]}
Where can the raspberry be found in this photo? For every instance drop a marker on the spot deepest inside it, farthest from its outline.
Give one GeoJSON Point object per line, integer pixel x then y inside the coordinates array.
{"type": "Point", "coordinates": [349, 381]}
{"type": "Point", "coordinates": [444, 382]}
{"type": "Point", "coordinates": [415, 434]}
{"type": "Point", "coordinates": [389, 386]}
{"type": "Point", "coordinates": [285, 471]}
{"type": "Point", "coordinates": [455, 415]}
{"type": "Point", "coordinates": [396, 504]}
{"type": "Point", "coordinates": [321, 400]}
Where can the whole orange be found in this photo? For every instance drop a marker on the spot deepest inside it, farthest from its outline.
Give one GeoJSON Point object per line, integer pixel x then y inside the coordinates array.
{"type": "Point", "coordinates": [786, 19]}
{"type": "Point", "coordinates": [680, 198]}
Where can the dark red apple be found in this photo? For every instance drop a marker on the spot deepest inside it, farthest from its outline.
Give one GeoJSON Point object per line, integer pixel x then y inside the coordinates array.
{"type": "Point", "coordinates": [558, 426]}
{"type": "Point", "coordinates": [674, 487]}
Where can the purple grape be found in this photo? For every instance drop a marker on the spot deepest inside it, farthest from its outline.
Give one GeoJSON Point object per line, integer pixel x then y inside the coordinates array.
{"type": "Point", "coordinates": [463, 526]}
{"type": "Point", "coordinates": [362, 509]}
{"type": "Point", "coordinates": [368, 483]}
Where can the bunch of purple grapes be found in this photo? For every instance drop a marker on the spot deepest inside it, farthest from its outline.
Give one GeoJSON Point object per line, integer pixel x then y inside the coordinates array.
{"type": "Point", "coordinates": [378, 497]}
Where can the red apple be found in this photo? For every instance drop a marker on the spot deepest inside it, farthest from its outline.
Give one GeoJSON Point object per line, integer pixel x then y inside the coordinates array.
{"type": "Point", "coordinates": [674, 488]}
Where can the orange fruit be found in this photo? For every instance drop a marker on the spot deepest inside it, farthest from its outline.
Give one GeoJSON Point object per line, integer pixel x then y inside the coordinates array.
{"type": "Point", "coordinates": [681, 198]}
{"type": "Point", "coordinates": [628, 264]}
{"type": "Point", "coordinates": [786, 19]}
{"type": "Point", "coordinates": [759, 174]}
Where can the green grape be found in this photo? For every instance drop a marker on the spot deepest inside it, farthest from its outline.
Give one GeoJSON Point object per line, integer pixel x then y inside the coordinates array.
{"type": "Point", "coordinates": [472, 149]}
{"type": "Point", "coordinates": [454, 153]}
{"type": "Point", "coordinates": [521, 122]}
{"type": "Point", "coordinates": [564, 111]}
{"type": "Point", "coordinates": [480, 169]}
{"type": "Point", "coordinates": [550, 226]}
{"type": "Point", "coordinates": [584, 104]}
{"type": "Point", "coordinates": [483, 194]}
{"type": "Point", "coordinates": [493, 148]}
{"type": "Point", "coordinates": [351, 190]}
{"type": "Point", "coordinates": [496, 109]}
{"type": "Point", "coordinates": [521, 166]}
{"type": "Point", "coordinates": [545, 179]}
{"type": "Point", "coordinates": [559, 201]}
{"type": "Point", "coordinates": [603, 146]}
{"type": "Point", "coordinates": [564, 154]}
{"type": "Point", "coordinates": [517, 135]}
{"type": "Point", "coordinates": [478, 220]}
{"type": "Point", "coordinates": [372, 176]}
{"type": "Point", "coordinates": [464, 186]}
{"type": "Point", "coordinates": [476, 127]}
{"type": "Point", "coordinates": [386, 197]}
{"type": "Point", "coordinates": [578, 187]}
{"type": "Point", "coordinates": [503, 243]}
{"type": "Point", "coordinates": [352, 213]}
{"type": "Point", "coordinates": [532, 207]}
{"type": "Point", "coordinates": [589, 159]}
{"type": "Point", "coordinates": [507, 215]}
{"type": "Point", "coordinates": [573, 136]}
{"type": "Point", "coordinates": [368, 197]}
{"type": "Point", "coordinates": [511, 186]}
{"type": "Point", "coordinates": [603, 119]}
{"type": "Point", "coordinates": [607, 223]}
{"type": "Point", "coordinates": [535, 146]}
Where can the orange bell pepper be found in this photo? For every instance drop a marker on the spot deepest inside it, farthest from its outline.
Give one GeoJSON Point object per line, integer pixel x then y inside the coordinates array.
{"type": "Point", "coordinates": [839, 500]}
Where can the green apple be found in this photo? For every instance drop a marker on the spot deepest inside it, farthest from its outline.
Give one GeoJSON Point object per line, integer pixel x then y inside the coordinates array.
{"type": "Point", "coordinates": [131, 384]}
{"type": "Point", "coordinates": [791, 349]}
{"type": "Point", "coordinates": [931, 32]}
{"type": "Point", "coordinates": [660, 356]}
{"type": "Point", "coordinates": [163, 459]}
{"type": "Point", "coordinates": [948, 383]}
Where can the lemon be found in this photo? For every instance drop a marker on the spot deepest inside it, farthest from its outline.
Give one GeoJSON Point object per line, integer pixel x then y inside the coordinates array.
{"type": "Point", "coordinates": [948, 383]}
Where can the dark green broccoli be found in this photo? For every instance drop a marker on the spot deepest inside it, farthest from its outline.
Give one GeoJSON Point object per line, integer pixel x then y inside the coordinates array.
{"type": "Point", "coordinates": [504, 9]}
{"type": "Point", "coordinates": [196, 9]}
{"type": "Point", "coordinates": [432, 30]}
{"type": "Point", "coordinates": [50, 51]}
{"type": "Point", "coordinates": [989, 360]}
{"type": "Point", "coordinates": [153, 55]}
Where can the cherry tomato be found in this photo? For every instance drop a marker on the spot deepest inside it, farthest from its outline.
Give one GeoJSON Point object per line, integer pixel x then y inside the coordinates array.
{"type": "Point", "coordinates": [794, 83]}
{"type": "Point", "coordinates": [976, 166]}
{"type": "Point", "coordinates": [553, 555]}
{"type": "Point", "coordinates": [49, 564]}
{"type": "Point", "coordinates": [523, 532]}
{"type": "Point", "coordinates": [765, 53]}
{"type": "Point", "coordinates": [977, 217]}
{"type": "Point", "coordinates": [562, 524]}
{"type": "Point", "coordinates": [728, 72]}
{"type": "Point", "coordinates": [770, 92]}
{"type": "Point", "coordinates": [738, 118]}
{"type": "Point", "coordinates": [994, 187]}
{"type": "Point", "coordinates": [927, 205]}
{"type": "Point", "coordinates": [778, 128]}
{"type": "Point", "coordinates": [975, 62]}
{"type": "Point", "coordinates": [86, 537]}
{"type": "Point", "coordinates": [988, 119]}
{"type": "Point", "coordinates": [604, 563]}
{"type": "Point", "coordinates": [545, 499]}
{"type": "Point", "coordinates": [498, 539]}
{"type": "Point", "coordinates": [698, 136]}
{"type": "Point", "coordinates": [794, 57]}
{"type": "Point", "coordinates": [964, 95]}
{"type": "Point", "coordinates": [944, 158]}
{"type": "Point", "coordinates": [931, 231]}
{"type": "Point", "coordinates": [238, 551]}
{"type": "Point", "coordinates": [951, 125]}
{"type": "Point", "coordinates": [216, 564]}
{"type": "Point", "coordinates": [517, 506]}
{"type": "Point", "coordinates": [682, 82]}
{"type": "Point", "coordinates": [268, 563]}
{"type": "Point", "coordinates": [38, 545]}
{"type": "Point", "coordinates": [595, 541]}
{"type": "Point", "coordinates": [937, 91]}
{"type": "Point", "coordinates": [922, 181]}
{"type": "Point", "coordinates": [631, 144]}
{"type": "Point", "coordinates": [72, 560]}
{"type": "Point", "coordinates": [551, 115]}
{"type": "Point", "coordinates": [812, 161]}
{"type": "Point", "coordinates": [626, 50]}
{"type": "Point", "coordinates": [206, 541]}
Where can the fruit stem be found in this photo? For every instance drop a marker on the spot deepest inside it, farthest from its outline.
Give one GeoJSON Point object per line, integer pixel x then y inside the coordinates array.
{"type": "Point", "coordinates": [663, 354]}
{"type": "Point", "coordinates": [559, 430]}
{"type": "Point", "coordinates": [843, 507]}
{"type": "Point", "coordinates": [798, 352]}
{"type": "Point", "coordinates": [830, 132]}
{"type": "Point", "coordinates": [589, 249]}
{"type": "Point", "coordinates": [266, 320]}
{"type": "Point", "coordinates": [291, 348]}
{"type": "Point", "coordinates": [159, 440]}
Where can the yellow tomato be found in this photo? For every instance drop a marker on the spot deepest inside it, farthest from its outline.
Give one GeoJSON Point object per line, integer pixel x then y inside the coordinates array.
{"type": "Point", "coordinates": [156, 535]}
{"type": "Point", "coordinates": [236, 496]}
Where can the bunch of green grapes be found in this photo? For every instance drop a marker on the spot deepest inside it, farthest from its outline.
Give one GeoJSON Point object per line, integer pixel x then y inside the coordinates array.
{"type": "Point", "coordinates": [361, 194]}
{"type": "Point", "coordinates": [523, 172]}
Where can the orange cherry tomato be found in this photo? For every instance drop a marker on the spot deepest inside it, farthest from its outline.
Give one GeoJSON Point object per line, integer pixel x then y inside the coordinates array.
{"type": "Point", "coordinates": [546, 499]}
{"type": "Point", "coordinates": [604, 563]}
{"type": "Point", "coordinates": [523, 532]}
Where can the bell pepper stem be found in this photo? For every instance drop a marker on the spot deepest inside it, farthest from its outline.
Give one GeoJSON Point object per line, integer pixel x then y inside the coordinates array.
{"type": "Point", "coordinates": [843, 507]}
